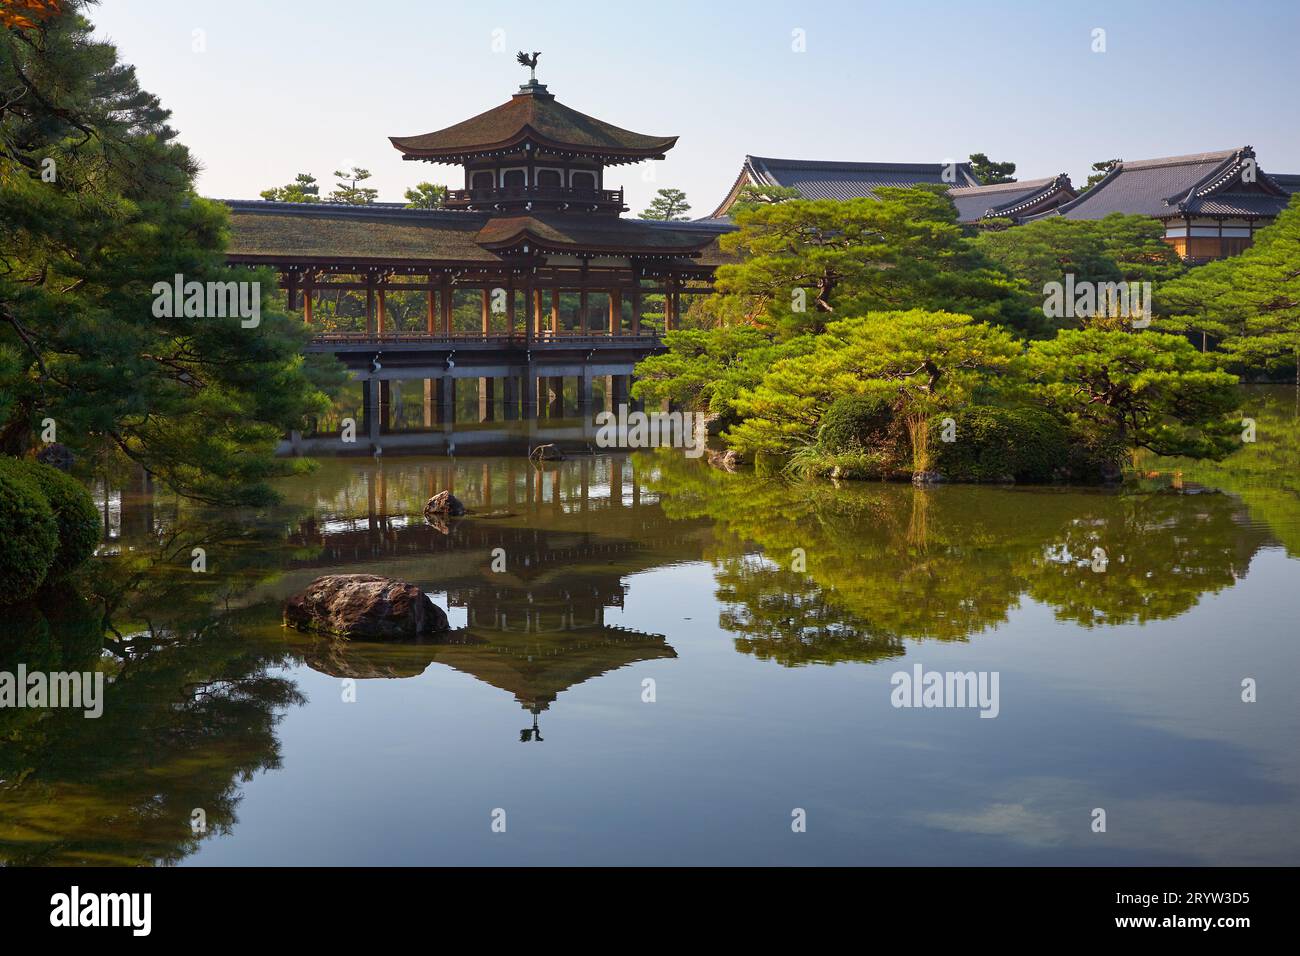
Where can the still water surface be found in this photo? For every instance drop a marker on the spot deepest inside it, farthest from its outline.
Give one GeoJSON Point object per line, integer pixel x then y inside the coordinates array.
{"type": "Point", "coordinates": [1120, 677]}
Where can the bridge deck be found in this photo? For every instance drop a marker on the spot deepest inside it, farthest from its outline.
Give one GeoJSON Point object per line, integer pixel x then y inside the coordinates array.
{"type": "Point", "coordinates": [472, 341]}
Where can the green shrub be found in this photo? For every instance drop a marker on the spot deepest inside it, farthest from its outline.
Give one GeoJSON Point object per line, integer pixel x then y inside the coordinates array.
{"type": "Point", "coordinates": [1001, 444]}
{"type": "Point", "coordinates": [74, 512]}
{"type": "Point", "coordinates": [856, 422]}
{"type": "Point", "coordinates": [29, 537]}
{"type": "Point", "coordinates": [811, 461]}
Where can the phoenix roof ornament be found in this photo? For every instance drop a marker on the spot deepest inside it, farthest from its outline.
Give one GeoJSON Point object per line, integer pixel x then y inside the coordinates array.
{"type": "Point", "coordinates": [529, 61]}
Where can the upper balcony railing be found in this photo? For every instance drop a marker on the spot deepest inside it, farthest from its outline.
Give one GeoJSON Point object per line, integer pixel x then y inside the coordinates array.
{"type": "Point", "coordinates": [557, 197]}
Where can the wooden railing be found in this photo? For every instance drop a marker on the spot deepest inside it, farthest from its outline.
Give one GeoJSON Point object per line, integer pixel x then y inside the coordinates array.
{"type": "Point", "coordinates": [499, 339]}
{"type": "Point", "coordinates": [516, 194]}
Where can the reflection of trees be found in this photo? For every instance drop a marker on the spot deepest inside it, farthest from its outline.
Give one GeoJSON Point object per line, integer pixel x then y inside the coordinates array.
{"type": "Point", "coordinates": [1265, 474]}
{"type": "Point", "coordinates": [886, 563]}
{"type": "Point", "coordinates": [1160, 553]}
{"type": "Point", "coordinates": [189, 714]}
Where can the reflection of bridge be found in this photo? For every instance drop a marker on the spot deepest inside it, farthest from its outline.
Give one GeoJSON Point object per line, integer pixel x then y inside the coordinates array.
{"type": "Point", "coordinates": [536, 622]}
{"type": "Point", "coordinates": [513, 378]}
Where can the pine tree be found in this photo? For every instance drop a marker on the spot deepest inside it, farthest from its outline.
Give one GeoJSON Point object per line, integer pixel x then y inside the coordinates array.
{"type": "Point", "coordinates": [302, 189]}
{"type": "Point", "coordinates": [669, 205]}
{"type": "Point", "coordinates": [1249, 302]}
{"type": "Point", "coordinates": [97, 207]}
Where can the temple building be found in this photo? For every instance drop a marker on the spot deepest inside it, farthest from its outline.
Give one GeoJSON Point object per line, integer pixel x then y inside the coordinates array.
{"type": "Point", "coordinates": [1211, 204]}
{"type": "Point", "coordinates": [816, 179]}
{"type": "Point", "coordinates": [528, 277]}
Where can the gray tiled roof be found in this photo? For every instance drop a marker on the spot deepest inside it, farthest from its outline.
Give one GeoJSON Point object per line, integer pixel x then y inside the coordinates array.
{"type": "Point", "coordinates": [1288, 181]}
{"type": "Point", "coordinates": [829, 180]}
{"type": "Point", "coordinates": [1197, 184]}
{"type": "Point", "coordinates": [1004, 199]}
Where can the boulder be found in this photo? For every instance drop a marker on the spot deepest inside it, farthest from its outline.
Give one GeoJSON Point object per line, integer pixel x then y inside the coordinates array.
{"type": "Point", "coordinates": [444, 503]}
{"type": "Point", "coordinates": [364, 607]}
{"type": "Point", "coordinates": [56, 455]}
{"type": "Point", "coordinates": [726, 460]}
{"type": "Point", "coordinates": [547, 452]}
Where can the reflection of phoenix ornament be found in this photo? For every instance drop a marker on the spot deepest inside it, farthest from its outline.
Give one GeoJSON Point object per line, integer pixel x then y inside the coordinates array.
{"type": "Point", "coordinates": [530, 62]}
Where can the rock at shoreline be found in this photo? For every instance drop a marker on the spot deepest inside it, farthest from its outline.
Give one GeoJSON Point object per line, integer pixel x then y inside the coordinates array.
{"type": "Point", "coordinates": [56, 455]}
{"type": "Point", "coordinates": [443, 504]}
{"type": "Point", "coordinates": [927, 478]}
{"type": "Point", "coordinates": [726, 460]}
{"type": "Point", "coordinates": [364, 607]}
{"type": "Point", "coordinates": [548, 452]}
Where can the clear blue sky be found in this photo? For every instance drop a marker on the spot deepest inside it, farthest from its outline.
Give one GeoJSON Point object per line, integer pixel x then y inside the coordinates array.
{"type": "Point", "coordinates": [292, 85]}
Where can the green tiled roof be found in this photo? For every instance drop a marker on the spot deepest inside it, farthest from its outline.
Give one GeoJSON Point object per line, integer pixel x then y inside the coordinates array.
{"type": "Point", "coordinates": [290, 233]}
{"type": "Point", "coordinates": [274, 231]}
{"type": "Point", "coordinates": [532, 115]}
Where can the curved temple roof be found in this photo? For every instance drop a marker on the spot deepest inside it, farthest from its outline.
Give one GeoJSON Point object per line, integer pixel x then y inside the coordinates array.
{"type": "Point", "coordinates": [1012, 201]}
{"type": "Point", "coordinates": [817, 179]}
{"type": "Point", "coordinates": [533, 116]}
{"type": "Point", "coordinates": [302, 233]}
{"type": "Point", "coordinates": [1223, 183]}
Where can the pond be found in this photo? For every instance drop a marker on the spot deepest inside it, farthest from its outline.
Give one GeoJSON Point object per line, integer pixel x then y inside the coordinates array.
{"type": "Point", "coordinates": [653, 661]}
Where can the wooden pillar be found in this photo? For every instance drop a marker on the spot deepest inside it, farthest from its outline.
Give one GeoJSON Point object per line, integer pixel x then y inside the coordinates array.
{"type": "Point", "coordinates": [487, 313]}
{"type": "Point", "coordinates": [431, 309]}
{"type": "Point", "coordinates": [446, 297]}
{"type": "Point", "coordinates": [510, 307]}
{"type": "Point", "coordinates": [381, 316]}
{"type": "Point", "coordinates": [555, 311]}
{"type": "Point", "coordinates": [615, 312]}
{"type": "Point", "coordinates": [307, 293]}
{"type": "Point", "coordinates": [584, 307]}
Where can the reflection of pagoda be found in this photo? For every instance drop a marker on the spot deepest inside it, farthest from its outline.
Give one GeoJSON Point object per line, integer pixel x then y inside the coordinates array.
{"type": "Point", "coordinates": [541, 630]}
{"type": "Point", "coordinates": [537, 668]}
{"type": "Point", "coordinates": [535, 629]}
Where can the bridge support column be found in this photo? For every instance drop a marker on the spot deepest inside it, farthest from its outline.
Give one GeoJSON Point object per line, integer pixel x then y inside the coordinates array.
{"type": "Point", "coordinates": [446, 387]}
{"type": "Point", "coordinates": [486, 399]}
{"type": "Point", "coordinates": [618, 389]}
{"type": "Point", "coordinates": [510, 398]}
{"type": "Point", "coordinates": [530, 394]}
{"type": "Point", "coordinates": [584, 391]}
{"type": "Point", "coordinates": [385, 405]}
{"type": "Point", "coordinates": [634, 404]}
{"type": "Point", "coordinates": [370, 409]}
{"type": "Point", "coordinates": [555, 405]}
{"type": "Point", "coordinates": [609, 393]}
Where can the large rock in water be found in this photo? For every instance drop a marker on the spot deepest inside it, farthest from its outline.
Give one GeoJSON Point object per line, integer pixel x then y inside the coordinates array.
{"type": "Point", "coordinates": [444, 505]}
{"type": "Point", "coordinates": [364, 607]}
